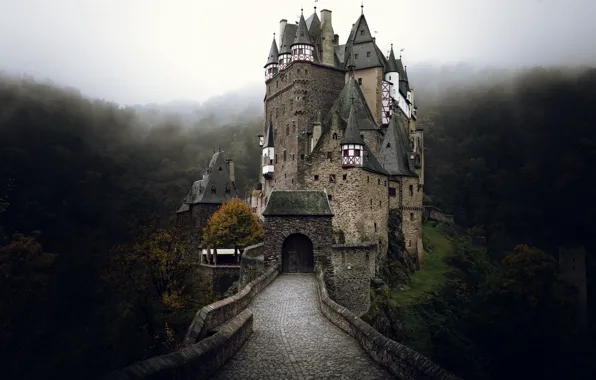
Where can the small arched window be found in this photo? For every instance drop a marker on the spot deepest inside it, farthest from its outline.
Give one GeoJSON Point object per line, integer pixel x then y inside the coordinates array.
{"type": "Point", "coordinates": [411, 190]}
{"type": "Point", "coordinates": [335, 136]}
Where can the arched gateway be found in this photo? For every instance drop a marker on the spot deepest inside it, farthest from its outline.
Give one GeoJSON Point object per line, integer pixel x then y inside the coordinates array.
{"type": "Point", "coordinates": [297, 254]}
{"type": "Point", "coordinates": [298, 230]}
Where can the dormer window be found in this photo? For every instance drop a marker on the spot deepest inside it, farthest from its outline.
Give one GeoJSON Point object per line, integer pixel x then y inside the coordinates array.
{"type": "Point", "coordinates": [368, 53]}
{"type": "Point", "coordinates": [213, 189]}
{"type": "Point", "coordinates": [356, 56]}
{"type": "Point", "coordinates": [362, 32]}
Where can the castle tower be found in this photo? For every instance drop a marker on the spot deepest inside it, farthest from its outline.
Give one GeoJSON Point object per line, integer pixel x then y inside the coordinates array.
{"type": "Point", "coordinates": [302, 47]}
{"type": "Point", "coordinates": [271, 67]}
{"type": "Point", "coordinates": [268, 153]}
{"type": "Point", "coordinates": [352, 146]}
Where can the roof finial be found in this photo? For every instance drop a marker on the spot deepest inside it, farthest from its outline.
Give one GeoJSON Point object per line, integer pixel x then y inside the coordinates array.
{"type": "Point", "coordinates": [302, 11]}
{"type": "Point", "coordinates": [362, 7]}
{"type": "Point", "coordinates": [315, 6]}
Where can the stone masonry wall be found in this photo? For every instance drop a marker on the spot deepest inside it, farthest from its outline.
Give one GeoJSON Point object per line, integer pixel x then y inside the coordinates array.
{"type": "Point", "coordinates": [372, 80]}
{"type": "Point", "coordinates": [402, 361]}
{"type": "Point", "coordinates": [202, 212]}
{"type": "Point", "coordinates": [198, 361]}
{"type": "Point", "coordinates": [277, 228]}
{"type": "Point", "coordinates": [221, 276]}
{"type": "Point", "coordinates": [412, 195]}
{"type": "Point", "coordinates": [359, 200]}
{"type": "Point", "coordinates": [351, 264]}
{"type": "Point", "coordinates": [293, 99]}
{"type": "Point", "coordinates": [252, 265]}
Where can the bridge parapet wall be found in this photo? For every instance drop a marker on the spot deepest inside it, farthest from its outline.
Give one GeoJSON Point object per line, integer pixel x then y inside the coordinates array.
{"type": "Point", "coordinates": [197, 361]}
{"type": "Point", "coordinates": [252, 265]}
{"type": "Point", "coordinates": [402, 361]}
{"type": "Point", "coordinates": [217, 313]}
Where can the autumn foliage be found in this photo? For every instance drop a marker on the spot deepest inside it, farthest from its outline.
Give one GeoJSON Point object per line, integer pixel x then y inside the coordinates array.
{"type": "Point", "coordinates": [232, 225]}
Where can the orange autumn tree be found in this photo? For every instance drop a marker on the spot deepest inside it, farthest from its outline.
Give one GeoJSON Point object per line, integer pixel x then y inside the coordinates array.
{"type": "Point", "coordinates": [232, 225]}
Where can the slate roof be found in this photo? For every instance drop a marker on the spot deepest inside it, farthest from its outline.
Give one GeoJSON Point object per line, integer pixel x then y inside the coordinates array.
{"type": "Point", "coordinates": [269, 139]}
{"type": "Point", "coordinates": [355, 36]}
{"type": "Point", "coordinates": [340, 51]}
{"type": "Point", "coordinates": [314, 26]}
{"type": "Point", "coordinates": [214, 188]}
{"type": "Point", "coordinates": [272, 53]}
{"type": "Point", "coordinates": [287, 39]}
{"type": "Point", "coordinates": [302, 36]}
{"type": "Point", "coordinates": [352, 132]}
{"type": "Point", "coordinates": [366, 55]}
{"type": "Point", "coordinates": [394, 151]}
{"type": "Point", "coordinates": [344, 103]}
{"type": "Point", "coordinates": [403, 78]}
{"type": "Point", "coordinates": [391, 62]}
{"type": "Point", "coordinates": [297, 203]}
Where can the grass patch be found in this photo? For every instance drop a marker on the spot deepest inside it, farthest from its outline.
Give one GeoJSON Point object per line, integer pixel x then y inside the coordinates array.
{"type": "Point", "coordinates": [432, 274]}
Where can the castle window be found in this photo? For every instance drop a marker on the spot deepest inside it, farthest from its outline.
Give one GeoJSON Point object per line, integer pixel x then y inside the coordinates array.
{"type": "Point", "coordinates": [330, 197]}
{"type": "Point", "coordinates": [306, 71]}
{"type": "Point", "coordinates": [293, 157]}
{"type": "Point", "coordinates": [389, 77]}
{"type": "Point", "coordinates": [329, 155]}
{"type": "Point", "coordinates": [411, 190]}
{"type": "Point", "coordinates": [287, 131]}
{"type": "Point", "coordinates": [367, 179]}
{"type": "Point", "coordinates": [316, 177]}
{"type": "Point", "coordinates": [380, 204]}
{"type": "Point", "coordinates": [292, 180]}
{"type": "Point", "coordinates": [360, 81]}
{"type": "Point", "coordinates": [285, 175]}
{"type": "Point", "coordinates": [293, 127]}
{"type": "Point", "coordinates": [332, 178]}
{"type": "Point", "coordinates": [362, 32]}
{"type": "Point", "coordinates": [385, 183]}
{"type": "Point", "coordinates": [298, 71]}
{"type": "Point", "coordinates": [276, 112]}
{"type": "Point", "coordinates": [335, 136]}
{"type": "Point", "coordinates": [392, 192]}
{"type": "Point", "coordinates": [356, 56]}
{"type": "Point", "coordinates": [375, 227]}
{"type": "Point", "coordinates": [371, 204]}
{"type": "Point", "coordinates": [300, 51]}
{"type": "Point", "coordinates": [411, 216]}
{"type": "Point", "coordinates": [409, 243]}
{"type": "Point", "coordinates": [302, 156]}
{"type": "Point", "coordinates": [388, 145]}
{"type": "Point", "coordinates": [213, 189]}
{"type": "Point", "coordinates": [285, 156]}
{"type": "Point", "coordinates": [345, 177]}
{"type": "Point", "coordinates": [276, 158]}
{"type": "Point", "coordinates": [368, 53]}
{"type": "Point", "coordinates": [276, 84]}
{"type": "Point", "coordinates": [378, 181]}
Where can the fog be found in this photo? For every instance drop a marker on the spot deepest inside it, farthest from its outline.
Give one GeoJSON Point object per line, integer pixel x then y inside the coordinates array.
{"type": "Point", "coordinates": [147, 51]}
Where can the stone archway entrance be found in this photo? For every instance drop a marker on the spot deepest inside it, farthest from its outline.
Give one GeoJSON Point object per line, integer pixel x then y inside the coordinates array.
{"type": "Point", "coordinates": [297, 255]}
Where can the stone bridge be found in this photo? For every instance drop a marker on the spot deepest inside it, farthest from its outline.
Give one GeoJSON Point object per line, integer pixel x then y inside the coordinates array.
{"type": "Point", "coordinates": [284, 326]}
{"type": "Point", "coordinates": [293, 340]}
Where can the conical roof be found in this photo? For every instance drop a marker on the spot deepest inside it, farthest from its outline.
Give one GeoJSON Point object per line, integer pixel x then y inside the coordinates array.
{"type": "Point", "coordinates": [314, 26]}
{"type": "Point", "coordinates": [394, 151]}
{"type": "Point", "coordinates": [351, 96]}
{"type": "Point", "coordinates": [352, 132]}
{"type": "Point", "coordinates": [391, 63]}
{"type": "Point", "coordinates": [269, 138]}
{"type": "Point", "coordinates": [287, 38]}
{"type": "Point", "coordinates": [302, 36]}
{"type": "Point", "coordinates": [273, 53]}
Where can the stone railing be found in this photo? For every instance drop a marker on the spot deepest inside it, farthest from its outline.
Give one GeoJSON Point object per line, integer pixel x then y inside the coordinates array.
{"type": "Point", "coordinates": [400, 360]}
{"type": "Point", "coordinates": [252, 264]}
{"type": "Point", "coordinates": [197, 361]}
{"type": "Point", "coordinates": [217, 313]}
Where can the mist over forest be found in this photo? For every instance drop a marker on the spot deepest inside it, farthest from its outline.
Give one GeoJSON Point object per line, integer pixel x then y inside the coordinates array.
{"type": "Point", "coordinates": [509, 153]}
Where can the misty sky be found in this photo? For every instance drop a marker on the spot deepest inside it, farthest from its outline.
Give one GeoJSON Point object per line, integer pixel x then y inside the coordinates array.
{"type": "Point", "coordinates": [141, 51]}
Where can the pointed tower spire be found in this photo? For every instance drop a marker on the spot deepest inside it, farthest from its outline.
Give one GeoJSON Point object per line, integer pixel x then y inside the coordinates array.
{"type": "Point", "coordinates": [352, 146]}
{"type": "Point", "coordinates": [268, 153]}
{"type": "Point", "coordinates": [391, 62]}
{"type": "Point", "coordinates": [302, 47]}
{"type": "Point", "coordinates": [271, 67]}
{"type": "Point", "coordinates": [269, 138]}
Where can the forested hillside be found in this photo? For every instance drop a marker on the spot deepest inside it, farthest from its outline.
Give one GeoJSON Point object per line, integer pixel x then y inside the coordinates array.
{"type": "Point", "coordinates": [82, 180]}
{"type": "Point", "coordinates": [78, 177]}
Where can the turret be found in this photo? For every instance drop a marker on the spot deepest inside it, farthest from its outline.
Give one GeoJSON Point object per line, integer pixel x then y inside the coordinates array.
{"type": "Point", "coordinates": [352, 146]}
{"type": "Point", "coordinates": [285, 42]}
{"type": "Point", "coordinates": [271, 67]}
{"type": "Point", "coordinates": [302, 47]}
{"type": "Point", "coordinates": [327, 39]}
{"type": "Point", "coordinates": [392, 74]}
{"type": "Point", "coordinates": [268, 153]}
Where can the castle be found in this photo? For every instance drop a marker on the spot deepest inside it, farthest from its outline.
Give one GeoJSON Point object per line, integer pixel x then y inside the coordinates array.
{"type": "Point", "coordinates": [342, 119]}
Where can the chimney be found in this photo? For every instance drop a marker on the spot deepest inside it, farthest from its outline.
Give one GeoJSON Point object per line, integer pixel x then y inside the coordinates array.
{"type": "Point", "coordinates": [325, 16]}
{"type": "Point", "coordinates": [282, 27]}
{"type": "Point", "coordinates": [327, 39]}
{"type": "Point", "coordinates": [230, 163]}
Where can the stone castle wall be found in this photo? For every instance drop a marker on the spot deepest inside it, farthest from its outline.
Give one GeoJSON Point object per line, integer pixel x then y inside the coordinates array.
{"type": "Point", "coordinates": [352, 264]}
{"type": "Point", "coordinates": [372, 86]}
{"type": "Point", "coordinates": [202, 212]}
{"type": "Point", "coordinates": [293, 100]}
{"type": "Point", "coordinates": [411, 195]}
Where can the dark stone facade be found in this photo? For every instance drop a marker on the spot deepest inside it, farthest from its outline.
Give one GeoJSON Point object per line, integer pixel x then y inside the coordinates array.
{"type": "Point", "coordinates": [221, 276]}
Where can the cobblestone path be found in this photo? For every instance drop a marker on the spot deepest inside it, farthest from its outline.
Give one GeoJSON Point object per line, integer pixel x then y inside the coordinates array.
{"type": "Point", "coordinates": [293, 340]}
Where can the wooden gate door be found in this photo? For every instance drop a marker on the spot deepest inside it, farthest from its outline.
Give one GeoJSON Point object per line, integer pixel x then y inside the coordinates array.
{"type": "Point", "coordinates": [297, 254]}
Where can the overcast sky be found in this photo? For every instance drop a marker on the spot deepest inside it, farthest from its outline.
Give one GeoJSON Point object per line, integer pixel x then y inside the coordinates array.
{"type": "Point", "coordinates": [141, 51]}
